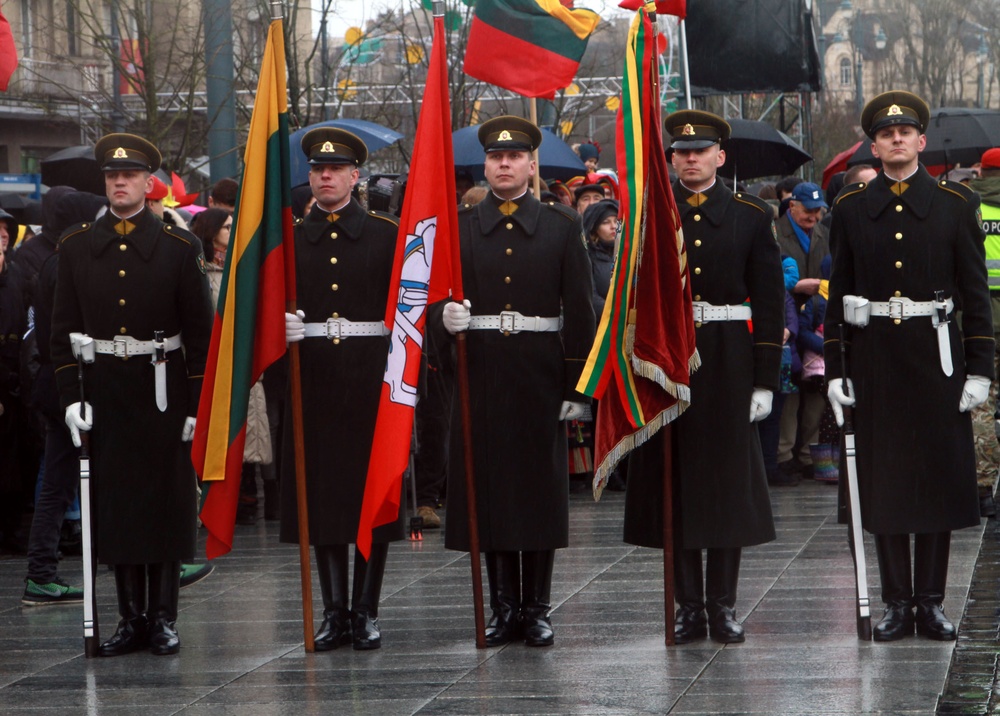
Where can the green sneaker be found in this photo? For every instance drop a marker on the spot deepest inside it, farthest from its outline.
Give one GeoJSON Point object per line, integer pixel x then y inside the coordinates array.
{"type": "Point", "coordinates": [194, 573]}
{"type": "Point", "coordinates": [55, 592]}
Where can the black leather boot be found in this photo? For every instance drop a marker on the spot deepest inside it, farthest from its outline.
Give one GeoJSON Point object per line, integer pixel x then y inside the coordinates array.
{"type": "Point", "coordinates": [331, 564]}
{"type": "Point", "coordinates": [690, 622]}
{"type": "Point", "coordinates": [722, 574]}
{"type": "Point", "coordinates": [366, 590]}
{"type": "Point", "coordinates": [505, 597]}
{"type": "Point", "coordinates": [536, 580]}
{"type": "Point", "coordinates": [132, 632]}
{"type": "Point", "coordinates": [164, 584]}
{"type": "Point", "coordinates": [897, 591]}
{"type": "Point", "coordinates": [930, 574]}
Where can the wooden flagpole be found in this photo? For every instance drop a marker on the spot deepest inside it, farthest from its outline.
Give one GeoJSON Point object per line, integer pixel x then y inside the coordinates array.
{"type": "Point", "coordinates": [462, 367]}
{"type": "Point", "coordinates": [536, 182]}
{"type": "Point", "coordinates": [298, 439]}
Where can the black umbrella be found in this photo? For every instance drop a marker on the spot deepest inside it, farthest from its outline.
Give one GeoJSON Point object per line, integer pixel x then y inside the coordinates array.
{"type": "Point", "coordinates": [75, 167]}
{"type": "Point", "coordinates": [757, 149]}
{"type": "Point", "coordinates": [556, 159]}
{"type": "Point", "coordinates": [960, 135]}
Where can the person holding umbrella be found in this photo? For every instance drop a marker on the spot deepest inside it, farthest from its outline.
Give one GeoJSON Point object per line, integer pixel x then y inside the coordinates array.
{"type": "Point", "coordinates": [137, 288]}
{"type": "Point", "coordinates": [908, 251]}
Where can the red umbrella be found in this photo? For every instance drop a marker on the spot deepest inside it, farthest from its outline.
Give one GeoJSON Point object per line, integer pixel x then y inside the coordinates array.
{"type": "Point", "coordinates": [838, 163]}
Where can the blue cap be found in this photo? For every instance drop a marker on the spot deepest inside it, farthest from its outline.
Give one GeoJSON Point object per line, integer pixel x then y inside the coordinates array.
{"type": "Point", "coordinates": [809, 195]}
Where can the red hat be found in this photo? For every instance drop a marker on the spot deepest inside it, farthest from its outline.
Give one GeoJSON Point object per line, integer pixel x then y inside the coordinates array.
{"type": "Point", "coordinates": [159, 190]}
{"type": "Point", "coordinates": [991, 158]}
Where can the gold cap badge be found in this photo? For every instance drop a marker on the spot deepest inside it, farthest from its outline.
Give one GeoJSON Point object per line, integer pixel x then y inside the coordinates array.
{"type": "Point", "coordinates": [688, 130]}
{"type": "Point", "coordinates": [894, 111]}
{"type": "Point", "coordinates": [327, 148]}
{"type": "Point", "coordinates": [120, 153]}
{"type": "Point", "coordinates": [505, 136]}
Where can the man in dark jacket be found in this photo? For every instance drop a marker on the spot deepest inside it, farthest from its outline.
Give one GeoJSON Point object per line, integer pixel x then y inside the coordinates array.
{"type": "Point", "coordinates": [721, 501]}
{"type": "Point", "coordinates": [522, 263]}
{"type": "Point", "coordinates": [907, 251]}
{"type": "Point", "coordinates": [343, 266]}
{"type": "Point", "coordinates": [137, 289]}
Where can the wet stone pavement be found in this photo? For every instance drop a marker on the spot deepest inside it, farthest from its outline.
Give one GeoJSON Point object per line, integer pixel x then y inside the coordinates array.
{"type": "Point", "coordinates": [242, 653]}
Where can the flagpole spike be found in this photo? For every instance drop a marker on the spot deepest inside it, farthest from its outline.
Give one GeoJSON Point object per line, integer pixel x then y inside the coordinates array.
{"type": "Point", "coordinates": [277, 9]}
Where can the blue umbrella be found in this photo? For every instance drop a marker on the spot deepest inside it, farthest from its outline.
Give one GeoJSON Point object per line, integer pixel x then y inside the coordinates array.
{"type": "Point", "coordinates": [375, 137]}
{"type": "Point", "coordinates": [557, 159]}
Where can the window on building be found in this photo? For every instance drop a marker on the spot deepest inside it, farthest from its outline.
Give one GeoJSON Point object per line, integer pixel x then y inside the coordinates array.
{"type": "Point", "coordinates": [72, 30]}
{"type": "Point", "coordinates": [846, 77]}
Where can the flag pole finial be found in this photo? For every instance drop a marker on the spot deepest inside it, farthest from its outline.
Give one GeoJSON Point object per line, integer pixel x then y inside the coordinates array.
{"type": "Point", "coordinates": [277, 9]}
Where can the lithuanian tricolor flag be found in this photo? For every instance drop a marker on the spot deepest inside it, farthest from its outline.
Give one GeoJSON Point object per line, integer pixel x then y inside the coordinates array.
{"type": "Point", "coordinates": [532, 47]}
{"type": "Point", "coordinates": [249, 330]}
{"type": "Point", "coordinates": [641, 361]}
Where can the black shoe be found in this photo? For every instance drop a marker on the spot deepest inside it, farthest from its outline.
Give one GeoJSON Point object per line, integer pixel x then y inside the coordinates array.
{"type": "Point", "coordinates": [334, 631]}
{"type": "Point", "coordinates": [896, 624]}
{"type": "Point", "coordinates": [788, 474]}
{"type": "Point", "coordinates": [365, 632]}
{"type": "Point", "coordinates": [723, 627]}
{"type": "Point", "coordinates": [503, 628]}
{"type": "Point", "coordinates": [163, 639]}
{"type": "Point", "coordinates": [131, 635]}
{"type": "Point", "coordinates": [932, 623]}
{"type": "Point", "coordinates": [536, 627]}
{"type": "Point", "coordinates": [690, 623]}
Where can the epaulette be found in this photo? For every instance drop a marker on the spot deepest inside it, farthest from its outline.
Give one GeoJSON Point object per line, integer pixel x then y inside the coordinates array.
{"type": "Point", "coordinates": [561, 209]}
{"type": "Point", "coordinates": [850, 190]}
{"type": "Point", "coordinates": [178, 233]}
{"type": "Point", "coordinates": [956, 187]}
{"type": "Point", "coordinates": [385, 216]}
{"type": "Point", "coordinates": [76, 229]}
{"type": "Point", "coordinates": [755, 201]}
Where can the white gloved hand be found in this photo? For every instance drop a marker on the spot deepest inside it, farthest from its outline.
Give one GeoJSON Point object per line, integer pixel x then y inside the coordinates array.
{"type": "Point", "coordinates": [295, 327]}
{"type": "Point", "coordinates": [456, 316]}
{"type": "Point", "coordinates": [760, 404]}
{"type": "Point", "coordinates": [187, 433]}
{"type": "Point", "coordinates": [571, 411]}
{"type": "Point", "coordinates": [838, 398]}
{"type": "Point", "coordinates": [974, 393]}
{"type": "Point", "coordinates": [76, 422]}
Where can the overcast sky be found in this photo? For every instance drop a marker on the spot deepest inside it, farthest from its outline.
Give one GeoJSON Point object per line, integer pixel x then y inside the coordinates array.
{"type": "Point", "coordinates": [354, 13]}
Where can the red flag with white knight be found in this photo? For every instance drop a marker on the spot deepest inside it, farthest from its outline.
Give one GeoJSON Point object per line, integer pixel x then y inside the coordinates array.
{"type": "Point", "coordinates": [421, 275]}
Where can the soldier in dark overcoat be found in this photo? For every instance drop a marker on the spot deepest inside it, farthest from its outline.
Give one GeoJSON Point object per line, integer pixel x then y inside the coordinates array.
{"type": "Point", "coordinates": [907, 254]}
{"type": "Point", "coordinates": [721, 501]}
{"type": "Point", "coordinates": [343, 265]}
{"type": "Point", "coordinates": [520, 258]}
{"type": "Point", "coordinates": [137, 288]}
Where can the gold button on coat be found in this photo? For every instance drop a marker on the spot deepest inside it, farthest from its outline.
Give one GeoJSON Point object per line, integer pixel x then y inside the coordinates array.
{"type": "Point", "coordinates": [697, 242]}
{"type": "Point", "coordinates": [897, 294]}
{"type": "Point", "coordinates": [122, 247]}
{"type": "Point", "coordinates": [697, 270]}
{"type": "Point", "coordinates": [506, 279]}
{"type": "Point", "coordinates": [121, 301]}
{"type": "Point", "coordinates": [899, 264]}
{"type": "Point", "coordinates": [697, 217]}
{"type": "Point", "coordinates": [899, 207]}
{"type": "Point", "coordinates": [333, 235]}
{"type": "Point", "coordinates": [898, 235]}
{"type": "Point", "coordinates": [509, 251]}
{"type": "Point", "coordinates": [123, 330]}
{"type": "Point", "coordinates": [509, 226]}
{"type": "Point", "coordinates": [334, 287]}
{"type": "Point", "coordinates": [121, 274]}
{"type": "Point", "coordinates": [333, 259]}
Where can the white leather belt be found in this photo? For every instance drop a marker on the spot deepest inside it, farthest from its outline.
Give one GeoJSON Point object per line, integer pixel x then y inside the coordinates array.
{"type": "Point", "coordinates": [904, 308]}
{"type": "Point", "coordinates": [706, 312]}
{"type": "Point", "coordinates": [125, 346]}
{"type": "Point", "coordinates": [857, 310]}
{"type": "Point", "coordinates": [336, 328]}
{"type": "Point", "coordinates": [514, 322]}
